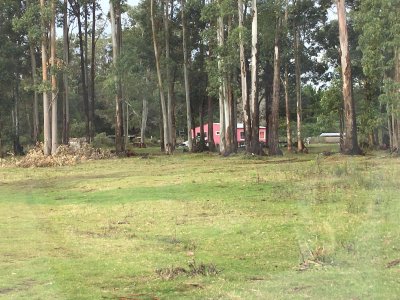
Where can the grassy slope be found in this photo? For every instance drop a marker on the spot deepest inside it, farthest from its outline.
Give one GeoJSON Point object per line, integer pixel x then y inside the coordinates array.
{"type": "Point", "coordinates": [292, 227]}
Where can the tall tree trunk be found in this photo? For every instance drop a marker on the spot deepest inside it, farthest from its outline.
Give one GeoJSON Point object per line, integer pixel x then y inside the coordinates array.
{"type": "Point", "coordinates": [201, 142]}
{"type": "Point", "coordinates": [298, 88]}
{"type": "Point", "coordinates": [396, 106]}
{"type": "Point", "coordinates": [210, 113]}
{"type": "Point", "coordinates": [254, 107]}
{"type": "Point", "coordinates": [228, 106]}
{"type": "Point", "coordinates": [350, 139]}
{"type": "Point", "coordinates": [86, 48]}
{"type": "Point", "coordinates": [17, 148]}
{"type": "Point", "coordinates": [286, 87]}
{"type": "Point", "coordinates": [46, 105]}
{"type": "Point", "coordinates": [186, 76]}
{"type": "Point", "coordinates": [395, 134]}
{"type": "Point", "coordinates": [145, 111]}
{"type": "Point", "coordinates": [115, 14]}
{"type": "Point", "coordinates": [36, 129]}
{"type": "Point", "coordinates": [287, 110]}
{"type": "Point", "coordinates": [54, 92]}
{"type": "Point", "coordinates": [170, 104]}
{"type": "Point", "coordinates": [77, 11]}
{"type": "Point", "coordinates": [243, 77]}
{"type": "Point", "coordinates": [65, 130]}
{"type": "Point", "coordinates": [93, 72]}
{"type": "Point", "coordinates": [222, 87]}
{"type": "Point", "coordinates": [273, 140]}
{"type": "Point", "coordinates": [166, 129]}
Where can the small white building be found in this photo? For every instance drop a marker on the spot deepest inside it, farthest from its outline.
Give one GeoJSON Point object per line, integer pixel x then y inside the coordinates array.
{"type": "Point", "coordinates": [329, 137]}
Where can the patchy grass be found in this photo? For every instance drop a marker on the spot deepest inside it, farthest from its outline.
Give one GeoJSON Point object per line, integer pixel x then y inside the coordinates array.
{"type": "Point", "coordinates": [201, 226]}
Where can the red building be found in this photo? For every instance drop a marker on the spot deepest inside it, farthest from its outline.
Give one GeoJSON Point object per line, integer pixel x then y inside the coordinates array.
{"type": "Point", "coordinates": [262, 133]}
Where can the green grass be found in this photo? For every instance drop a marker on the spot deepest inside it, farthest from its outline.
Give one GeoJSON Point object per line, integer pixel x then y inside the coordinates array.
{"type": "Point", "coordinates": [203, 227]}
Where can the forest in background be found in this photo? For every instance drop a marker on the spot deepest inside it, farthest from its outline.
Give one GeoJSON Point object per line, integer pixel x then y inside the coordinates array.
{"type": "Point", "coordinates": [70, 69]}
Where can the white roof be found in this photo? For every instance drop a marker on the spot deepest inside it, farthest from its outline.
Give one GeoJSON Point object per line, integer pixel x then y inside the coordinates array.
{"type": "Point", "coordinates": [330, 134]}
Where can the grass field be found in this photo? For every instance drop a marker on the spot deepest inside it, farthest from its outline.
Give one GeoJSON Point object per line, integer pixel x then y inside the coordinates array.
{"type": "Point", "coordinates": [203, 227]}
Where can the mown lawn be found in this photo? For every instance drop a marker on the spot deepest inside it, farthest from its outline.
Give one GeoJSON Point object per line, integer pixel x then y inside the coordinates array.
{"type": "Point", "coordinates": [203, 227]}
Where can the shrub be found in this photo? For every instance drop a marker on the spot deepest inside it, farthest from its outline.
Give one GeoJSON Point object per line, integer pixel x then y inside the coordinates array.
{"type": "Point", "coordinates": [102, 141]}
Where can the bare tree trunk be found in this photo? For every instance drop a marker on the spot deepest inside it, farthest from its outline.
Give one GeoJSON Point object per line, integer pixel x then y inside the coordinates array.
{"type": "Point", "coordinates": [145, 111]}
{"type": "Point", "coordinates": [254, 107]}
{"type": "Point", "coordinates": [93, 73]}
{"type": "Point", "coordinates": [17, 148]}
{"type": "Point", "coordinates": [115, 14]}
{"type": "Point", "coordinates": [395, 139]}
{"type": "Point", "coordinates": [65, 131]}
{"type": "Point", "coordinates": [166, 129]}
{"type": "Point", "coordinates": [230, 119]}
{"type": "Point", "coordinates": [389, 124]}
{"type": "Point", "coordinates": [170, 104]}
{"type": "Point", "coordinates": [54, 92]}
{"type": "Point", "coordinates": [202, 142]}
{"type": "Point", "coordinates": [211, 144]}
{"type": "Point", "coordinates": [222, 94]}
{"type": "Point", "coordinates": [286, 87]}
{"type": "Point", "coordinates": [395, 118]}
{"type": "Point", "coordinates": [243, 76]}
{"type": "Point", "coordinates": [186, 75]}
{"type": "Point", "coordinates": [350, 139]}
{"type": "Point", "coordinates": [298, 89]}
{"type": "Point", "coordinates": [273, 140]}
{"type": "Point", "coordinates": [46, 105]}
{"type": "Point", "coordinates": [77, 12]}
{"type": "Point", "coordinates": [36, 129]}
{"type": "Point", "coordinates": [287, 110]}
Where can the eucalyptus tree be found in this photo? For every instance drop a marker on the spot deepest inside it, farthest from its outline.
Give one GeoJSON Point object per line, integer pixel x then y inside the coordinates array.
{"type": "Point", "coordinates": [273, 130]}
{"type": "Point", "coordinates": [116, 37]}
{"type": "Point", "coordinates": [243, 78]}
{"type": "Point", "coordinates": [45, 83]}
{"type": "Point", "coordinates": [378, 23]}
{"type": "Point", "coordinates": [164, 108]}
{"type": "Point", "coordinates": [65, 103]}
{"type": "Point", "coordinates": [222, 67]}
{"type": "Point", "coordinates": [76, 6]}
{"type": "Point", "coordinates": [186, 76]}
{"type": "Point", "coordinates": [26, 25]}
{"type": "Point", "coordinates": [54, 92]}
{"type": "Point", "coordinates": [350, 145]}
{"type": "Point", "coordinates": [254, 105]}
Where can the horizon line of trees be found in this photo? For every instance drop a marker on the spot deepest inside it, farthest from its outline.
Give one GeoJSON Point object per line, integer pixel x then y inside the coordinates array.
{"type": "Point", "coordinates": [173, 65]}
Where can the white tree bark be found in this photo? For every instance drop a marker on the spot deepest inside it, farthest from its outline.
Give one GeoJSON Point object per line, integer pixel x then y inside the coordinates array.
{"type": "Point", "coordinates": [243, 76]}
{"type": "Point", "coordinates": [54, 92]}
{"type": "Point", "coordinates": [254, 92]}
{"type": "Point", "coordinates": [164, 112]}
{"type": "Point", "coordinates": [186, 75]}
{"type": "Point", "coordinates": [46, 106]}
{"type": "Point", "coordinates": [222, 94]}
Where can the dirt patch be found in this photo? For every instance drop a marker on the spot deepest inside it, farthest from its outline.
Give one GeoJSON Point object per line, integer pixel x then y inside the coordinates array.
{"type": "Point", "coordinates": [393, 263]}
{"type": "Point", "coordinates": [297, 289]}
{"type": "Point", "coordinates": [192, 270]}
{"type": "Point", "coordinates": [138, 297]}
{"type": "Point", "coordinates": [25, 285]}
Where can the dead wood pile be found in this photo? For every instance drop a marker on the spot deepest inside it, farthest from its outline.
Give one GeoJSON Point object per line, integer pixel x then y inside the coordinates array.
{"type": "Point", "coordinates": [65, 156]}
